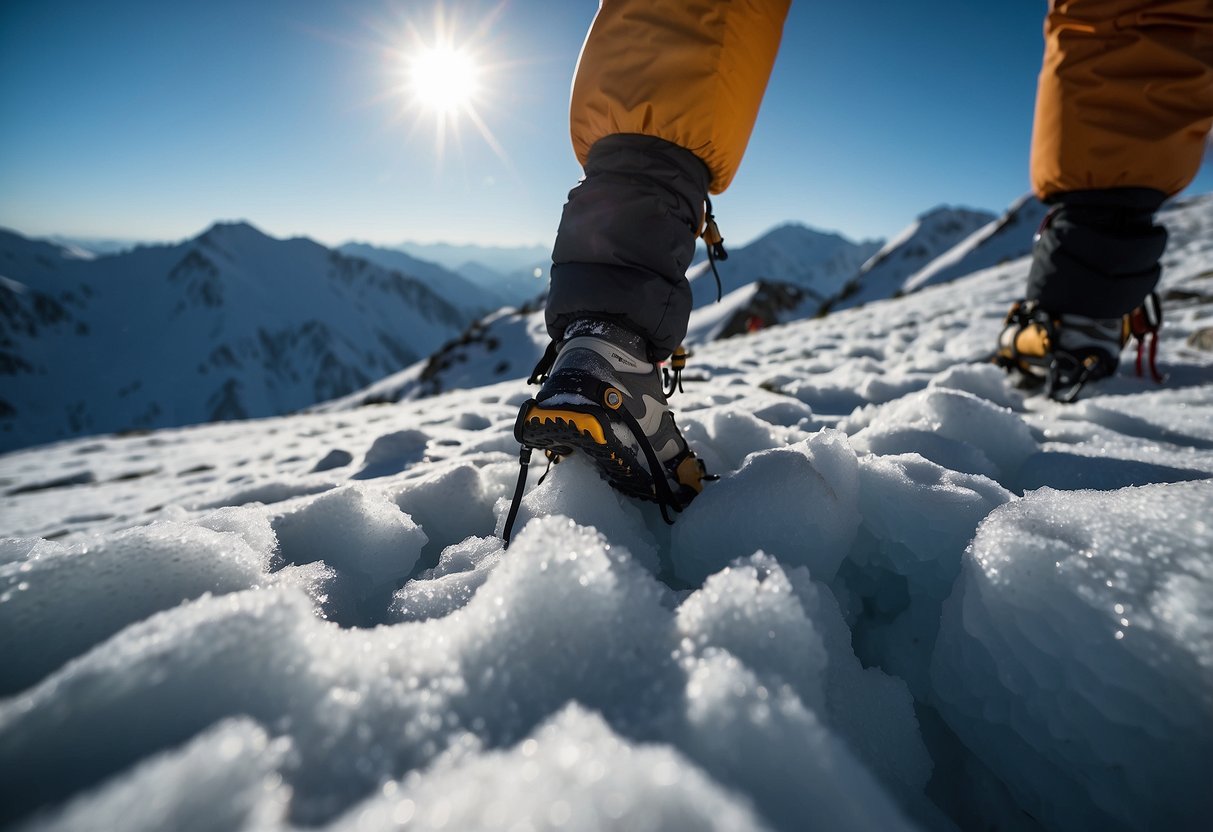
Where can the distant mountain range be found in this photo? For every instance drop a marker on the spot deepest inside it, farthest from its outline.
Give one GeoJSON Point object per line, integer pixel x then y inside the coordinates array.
{"type": "Point", "coordinates": [230, 324]}
{"type": "Point", "coordinates": [234, 323]}
{"type": "Point", "coordinates": [517, 274]}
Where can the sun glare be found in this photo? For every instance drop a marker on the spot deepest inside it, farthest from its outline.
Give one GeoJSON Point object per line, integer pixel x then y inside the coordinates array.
{"type": "Point", "coordinates": [443, 79]}
{"type": "Point", "coordinates": [445, 75]}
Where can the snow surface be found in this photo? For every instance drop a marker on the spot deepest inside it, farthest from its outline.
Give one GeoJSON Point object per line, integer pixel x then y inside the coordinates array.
{"type": "Point", "coordinates": [916, 599]}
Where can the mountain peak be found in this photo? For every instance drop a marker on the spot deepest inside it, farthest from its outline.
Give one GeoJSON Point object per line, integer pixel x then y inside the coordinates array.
{"type": "Point", "coordinates": [233, 231]}
{"type": "Point", "coordinates": [944, 210]}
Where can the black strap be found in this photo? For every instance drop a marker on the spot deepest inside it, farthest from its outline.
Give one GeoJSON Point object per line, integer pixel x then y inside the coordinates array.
{"type": "Point", "coordinates": [663, 494]}
{"type": "Point", "coordinates": [715, 245]}
{"type": "Point", "coordinates": [524, 461]}
{"type": "Point", "coordinates": [544, 364]}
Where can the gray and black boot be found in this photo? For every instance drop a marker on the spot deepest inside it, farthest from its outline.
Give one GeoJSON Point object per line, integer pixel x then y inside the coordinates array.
{"type": "Point", "coordinates": [1095, 264]}
{"type": "Point", "coordinates": [604, 397]}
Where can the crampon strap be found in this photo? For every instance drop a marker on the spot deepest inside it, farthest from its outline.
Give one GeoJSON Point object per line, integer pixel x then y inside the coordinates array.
{"type": "Point", "coordinates": [1144, 323]}
{"type": "Point", "coordinates": [544, 365]}
{"type": "Point", "coordinates": [524, 462]}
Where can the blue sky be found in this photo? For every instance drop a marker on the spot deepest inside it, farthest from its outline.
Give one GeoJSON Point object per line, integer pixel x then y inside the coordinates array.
{"type": "Point", "coordinates": [150, 120]}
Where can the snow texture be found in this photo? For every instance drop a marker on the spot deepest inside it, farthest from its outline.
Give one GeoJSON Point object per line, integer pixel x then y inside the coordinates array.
{"type": "Point", "coordinates": [917, 598]}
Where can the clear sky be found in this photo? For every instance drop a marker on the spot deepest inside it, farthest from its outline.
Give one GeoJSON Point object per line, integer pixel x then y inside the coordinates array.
{"type": "Point", "coordinates": [150, 120]}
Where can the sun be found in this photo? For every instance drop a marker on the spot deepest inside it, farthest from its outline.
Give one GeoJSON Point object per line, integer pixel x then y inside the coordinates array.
{"type": "Point", "coordinates": [443, 79]}
{"type": "Point", "coordinates": [446, 75]}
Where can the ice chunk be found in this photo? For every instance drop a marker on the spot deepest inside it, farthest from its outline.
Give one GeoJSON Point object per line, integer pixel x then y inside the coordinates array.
{"type": "Point", "coordinates": [355, 529]}
{"type": "Point", "coordinates": [1076, 655]}
{"type": "Point", "coordinates": [252, 525]}
{"type": "Point", "coordinates": [59, 602]}
{"type": "Point", "coordinates": [798, 504]}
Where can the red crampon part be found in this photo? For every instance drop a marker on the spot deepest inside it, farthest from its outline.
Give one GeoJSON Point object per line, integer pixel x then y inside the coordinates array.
{"type": "Point", "coordinates": [1144, 323]}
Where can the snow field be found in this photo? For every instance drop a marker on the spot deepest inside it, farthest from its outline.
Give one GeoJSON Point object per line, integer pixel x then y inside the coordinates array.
{"type": "Point", "coordinates": [566, 617]}
{"type": "Point", "coordinates": [894, 603]}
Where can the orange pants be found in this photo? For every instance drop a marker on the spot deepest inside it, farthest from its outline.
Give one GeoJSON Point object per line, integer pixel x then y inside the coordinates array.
{"type": "Point", "coordinates": [1125, 96]}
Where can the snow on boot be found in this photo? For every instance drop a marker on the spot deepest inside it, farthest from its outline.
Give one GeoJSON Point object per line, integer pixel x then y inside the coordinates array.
{"type": "Point", "coordinates": [604, 398]}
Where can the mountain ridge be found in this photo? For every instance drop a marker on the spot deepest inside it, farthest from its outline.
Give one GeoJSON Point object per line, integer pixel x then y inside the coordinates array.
{"type": "Point", "coordinates": [231, 323]}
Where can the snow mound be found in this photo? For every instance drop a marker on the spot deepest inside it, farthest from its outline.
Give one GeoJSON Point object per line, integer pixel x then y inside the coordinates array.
{"type": "Point", "coordinates": [1078, 644]}
{"type": "Point", "coordinates": [573, 773]}
{"type": "Point", "coordinates": [953, 428]}
{"type": "Point", "coordinates": [354, 529]}
{"type": "Point", "coordinates": [816, 480]}
{"type": "Point", "coordinates": [58, 603]}
{"type": "Point", "coordinates": [227, 778]}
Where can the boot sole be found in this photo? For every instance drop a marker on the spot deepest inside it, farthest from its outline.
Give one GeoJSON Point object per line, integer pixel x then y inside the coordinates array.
{"type": "Point", "coordinates": [588, 429]}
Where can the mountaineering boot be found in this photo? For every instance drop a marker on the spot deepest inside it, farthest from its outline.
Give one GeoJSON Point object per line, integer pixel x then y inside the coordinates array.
{"type": "Point", "coordinates": [1095, 264]}
{"type": "Point", "coordinates": [605, 398]}
{"type": "Point", "coordinates": [1060, 352]}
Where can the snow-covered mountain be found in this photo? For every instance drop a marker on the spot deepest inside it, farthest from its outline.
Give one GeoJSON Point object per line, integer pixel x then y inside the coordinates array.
{"type": "Point", "coordinates": [916, 599]}
{"type": "Point", "coordinates": [818, 262]}
{"type": "Point", "coordinates": [475, 299]}
{"type": "Point", "coordinates": [929, 236]}
{"type": "Point", "coordinates": [1006, 238]}
{"type": "Point", "coordinates": [231, 324]}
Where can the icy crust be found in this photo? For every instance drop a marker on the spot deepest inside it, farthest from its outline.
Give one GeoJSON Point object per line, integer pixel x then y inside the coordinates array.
{"type": "Point", "coordinates": [319, 628]}
{"type": "Point", "coordinates": [1076, 656]}
{"type": "Point", "coordinates": [918, 518]}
